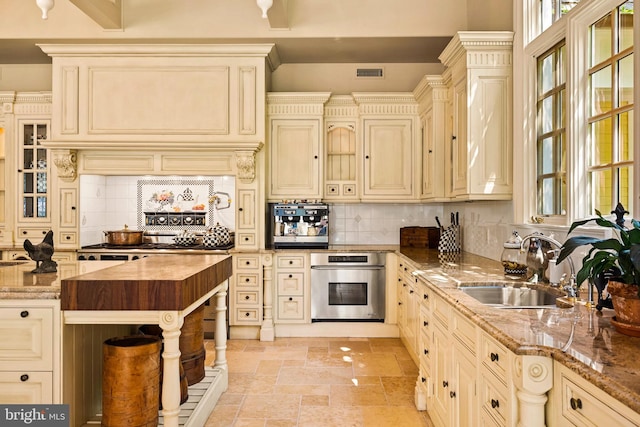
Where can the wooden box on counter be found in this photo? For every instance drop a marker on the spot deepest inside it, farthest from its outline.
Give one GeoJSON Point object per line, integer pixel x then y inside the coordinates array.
{"type": "Point", "coordinates": [420, 237]}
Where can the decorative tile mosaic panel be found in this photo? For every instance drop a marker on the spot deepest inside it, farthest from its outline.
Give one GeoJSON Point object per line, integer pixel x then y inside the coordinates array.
{"type": "Point", "coordinates": [167, 204]}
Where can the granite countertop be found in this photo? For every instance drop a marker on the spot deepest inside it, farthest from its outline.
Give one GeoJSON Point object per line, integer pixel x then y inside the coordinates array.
{"type": "Point", "coordinates": [597, 352]}
{"type": "Point", "coordinates": [17, 281]}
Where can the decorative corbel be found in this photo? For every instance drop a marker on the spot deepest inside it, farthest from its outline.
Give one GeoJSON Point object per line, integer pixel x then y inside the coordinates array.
{"type": "Point", "coordinates": [66, 162]}
{"type": "Point", "coordinates": [246, 163]}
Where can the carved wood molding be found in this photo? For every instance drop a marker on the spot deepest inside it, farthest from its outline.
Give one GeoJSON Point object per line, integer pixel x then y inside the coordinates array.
{"type": "Point", "coordinates": [66, 163]}
{"type": "Point", "coordinates": [246, 164]}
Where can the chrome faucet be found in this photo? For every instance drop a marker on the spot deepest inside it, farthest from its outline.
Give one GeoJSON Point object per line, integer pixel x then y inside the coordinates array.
{"type": "Point", "coordinates": [571, 288]}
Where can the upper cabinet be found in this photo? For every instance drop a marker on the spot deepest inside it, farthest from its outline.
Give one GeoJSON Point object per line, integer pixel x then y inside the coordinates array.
{"type": "Point", "coordinates": [295, 145]}
{"type": "Point", "coordinates": [432, 96]}
{"type": "Point", "coordinates": [390, 132]}
{"type": "Point", "coordinates": [158, 95]}
{"type": "Point", "coordinates": [478, 154]}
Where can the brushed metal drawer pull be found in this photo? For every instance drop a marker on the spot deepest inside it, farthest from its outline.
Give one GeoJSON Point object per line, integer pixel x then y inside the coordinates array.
{"type": "Point", "coordinates": [575, 404]}
{"type": "Point", "coordinates": [494, 357]}
{"type": "Point", "coordinates": [24, 314]}
{"type": "Point", "coordinates": [495, 403]}
{"type": "Point", "coordinates": [24, 377]}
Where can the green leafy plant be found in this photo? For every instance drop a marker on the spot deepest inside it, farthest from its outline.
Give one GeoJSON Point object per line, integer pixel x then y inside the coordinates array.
{"type": "Point", "coordinates": [621, 252]}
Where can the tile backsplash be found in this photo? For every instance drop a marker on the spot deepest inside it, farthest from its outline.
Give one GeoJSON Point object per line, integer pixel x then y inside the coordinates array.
{"type": "Point", "coordinates": [110, 202]}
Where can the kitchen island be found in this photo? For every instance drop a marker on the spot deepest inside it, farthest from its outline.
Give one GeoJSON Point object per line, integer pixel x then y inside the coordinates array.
{"type": "Point", "coordinates": [161, 291]}
{"type": "Point", "coordinates": [561, 365]}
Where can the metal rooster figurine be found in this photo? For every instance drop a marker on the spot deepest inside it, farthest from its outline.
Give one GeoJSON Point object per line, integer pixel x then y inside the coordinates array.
{"type": "Point", "coordinates": [41, 254]}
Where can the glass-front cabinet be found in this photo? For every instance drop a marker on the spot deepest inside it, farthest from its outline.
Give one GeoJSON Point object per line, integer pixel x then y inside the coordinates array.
{"type": "Point", "coordinates": [33, 172]}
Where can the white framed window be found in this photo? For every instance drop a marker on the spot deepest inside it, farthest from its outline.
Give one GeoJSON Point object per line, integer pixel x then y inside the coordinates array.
{"type": "Point", "coordinates": [588, 161]}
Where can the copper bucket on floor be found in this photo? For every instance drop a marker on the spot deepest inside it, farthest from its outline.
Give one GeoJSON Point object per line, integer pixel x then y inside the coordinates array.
{"type": "Point", "coordinates": [130, 383]}
{"type": "Point", "coordinates": [192, 352]}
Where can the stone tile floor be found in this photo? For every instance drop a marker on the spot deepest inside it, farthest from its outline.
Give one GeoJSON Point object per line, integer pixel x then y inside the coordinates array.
{"type": "Point", "coordinates": [324, 382]}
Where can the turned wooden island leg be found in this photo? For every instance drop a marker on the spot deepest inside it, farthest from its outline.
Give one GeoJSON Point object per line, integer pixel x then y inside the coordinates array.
{"type": "Point", "coordinates": [221, 328]}
{"type": "Point", "coordinates": [171, 322]}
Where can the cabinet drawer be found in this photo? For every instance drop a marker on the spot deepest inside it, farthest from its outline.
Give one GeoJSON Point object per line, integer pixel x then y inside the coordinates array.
{"type": "Point", "coordinates": [26, 387]}
{"type": "Point", "coordinates": [493, 399]}
{"type": "Point", "coordinates": [494, 357]}
{"type": "Point", "coordinates": [247, 297]}
{"type": "Point", "coordinates": [36, 233]}
{"type": "Point", "coordinates": [247, 280]}
{"type": "Point", "coordinates": [291, 283]}
{"type": "Point", "coordinates": [68, 237]}
{"type": "Point", "coordinates": [593, 407]}
{"type": "Point", "coordinates": [246, 239]}
{"type": "Point", "coordinates": [296, 261]}
{"type": "Point", "coordinates": [247, 262]}
{"type": "Point", "coordinates": [247, 315]}
{"type": "Point", "coordinates": [290, 308]}
{"type": "Point", "coordinates": [464, 331]}
{"type": "Point", "coordinates": [26, 338]}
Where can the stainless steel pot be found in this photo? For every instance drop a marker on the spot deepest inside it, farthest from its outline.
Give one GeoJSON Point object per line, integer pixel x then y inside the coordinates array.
{"type": "Point", "coordinates": [124, 237]}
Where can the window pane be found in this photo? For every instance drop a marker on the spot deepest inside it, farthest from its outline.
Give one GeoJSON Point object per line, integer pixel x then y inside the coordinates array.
{"type": "Point", "coordinates": [625, 184]}
{"type": "Point", "coordinates": [601, 91]}
{"type": "Point", "coordinates": [625, 24]}
{"type": "Point", "coordinates": [561, 68]}
{"type": "Point", "coordinates": [625, 81]}
{"type": "Point", "coordinates": [601, 186]}
{"type": "Point", "coordinates": [601, 142]}
{"type": "Point", "coordinates": [547, 207]}
{"type": "Point", "coordinates": [546, 74]}
{"type": "Point", "coordinates": [546, 158]}
{"type": "Point", "coordinates": [546, 115]}
{"type": "Point", "coordinates": [601, 40]}
{"type": "Point", "coordinates": [625, 136]}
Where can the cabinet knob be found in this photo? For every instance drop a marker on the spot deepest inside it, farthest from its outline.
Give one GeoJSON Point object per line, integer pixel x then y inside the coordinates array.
{"type": "Point", "coordinates": [246, 239]}
{"type": "Point", "coordinates": [366, 157]}
{"type": "Point", "coordinates": [68, 237]}
{"type": "Point", "coordinates": [248, 262]}
{"type": "Point", "coordinates": [73, 208]}
{"type": "Point", "coordinates": [399, 303]}
{"type": "Point", "coordinates": [290, 298]}
{"type": "Point", "coordinates": [445, 384]}
{"type": "Point", "coordinates": [290, 276]}
{"type": "Point", "coordinates": [247, 314]}
{"type": "Point", "coordinates": [423, 379]}
{"type": "Point", "coordinates": [452, 394]}
{"type": "Point", "coordinates": [24, 377]}
{"type": "Point", "coordinates": [495, 403]}
{"type": "Point", "coordinates": [426, 351]}
{"type": "Point", "coordinates": [240, 209]}
{"type": "Point", "coordinates": [494, 357]}
{"type": "Point", "coordinates": [246, 297]}
{"type": "Point", "coordinates": [315, 157]}
{"type": "Point", "coordinates": [44, 232]}
{"type": "Point", "coordinates": [290, 262]}
{"type": "Point", "coordinates": [410, 291]}
{"type": "Point", "coordinates": [425, 296]}
{"type": "Point", "coordinates": [575, 404]}
{"type": "Point", "coordinates": [24, 314]}
{"type": "Point", "coordinates": [246, 280]}
{"type": "Point", "coordinates": [24, 232]}
{"type": "Point", "coordinates": [430, 151]}
{"type": "Point", "coordinates": [453, 137]}
{"type": "Point", "coordinates": [425, 323]}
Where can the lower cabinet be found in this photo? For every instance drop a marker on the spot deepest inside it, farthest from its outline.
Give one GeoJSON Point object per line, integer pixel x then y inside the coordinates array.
{"type": "Point", "coordinates": [245, 295]}
{"type": "Point", "coordinates": [293, 303]}
{"type": "Point", "coordinates": [580, 403]}
{"type": "Point", "coordinates": [29, 338]}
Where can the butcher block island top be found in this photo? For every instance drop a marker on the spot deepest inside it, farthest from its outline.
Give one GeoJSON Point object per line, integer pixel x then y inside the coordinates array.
{"type": "Point", "coordinates": [171, 282]}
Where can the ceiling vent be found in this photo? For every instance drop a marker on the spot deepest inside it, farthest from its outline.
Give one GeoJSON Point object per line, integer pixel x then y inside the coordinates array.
{"type": "Point", "coordinates": [377, 73]}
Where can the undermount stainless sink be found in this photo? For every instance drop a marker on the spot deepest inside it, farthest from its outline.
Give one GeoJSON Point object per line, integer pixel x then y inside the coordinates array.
{"type": "Point", "coordinates": [512, 297]}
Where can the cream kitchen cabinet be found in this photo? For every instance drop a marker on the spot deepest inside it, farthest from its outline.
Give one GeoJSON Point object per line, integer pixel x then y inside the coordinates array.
{"type": "Point", "coordinates": [246, 236]}
{"type": "Point", "coordinates": [580, 403]}
{"type": "Point", "coordinates": [295, 145]}
{"type": "Point", "coordinates": [245, 295]}
{"type": "Point", "coordinates": [478, 154]}
{"type": "Point", "coordinates": [408, 307]}
{"type": "Point", "coordinates": [431, 94]}
{"type": "Point", "coordinates": [390, 134]}
{"type": "Point", "coordinates": [29, 345]}
{"type": "Point", "coordinates": [293, 293]}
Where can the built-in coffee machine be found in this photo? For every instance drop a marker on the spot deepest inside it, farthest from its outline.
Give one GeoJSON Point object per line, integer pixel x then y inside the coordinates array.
{"type": "Point", "coordinates": [298, 225]}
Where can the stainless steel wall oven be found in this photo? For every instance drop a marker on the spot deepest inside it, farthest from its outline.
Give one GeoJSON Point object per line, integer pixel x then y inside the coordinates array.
{"type": "Point", "coordinates": [348, 287]}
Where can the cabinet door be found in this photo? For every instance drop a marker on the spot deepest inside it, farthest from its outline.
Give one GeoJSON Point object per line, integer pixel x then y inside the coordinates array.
{"type": "Point", "coordinates": [463, 391]}
{"type": "Point", "coordinates": [458, 147]}
{"type": "Point", "coordinates": [295, 159]}
{"type": "Point", "coordinates": [26, 387]}
{"type": "Point", "coordinates": [246, 231]}
{"type": "Point", "coordinates": [26, 338]}
{"type": "Point", "coordinates": [440, 374]}
{"type": "Point", "coordinates": [34, 204]}
{"type": "Point", "coordinates": [388, 153]}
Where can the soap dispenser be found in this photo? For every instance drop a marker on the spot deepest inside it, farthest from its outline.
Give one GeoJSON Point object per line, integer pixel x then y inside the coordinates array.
{"type": "Point", "coordinates": [514, 259]}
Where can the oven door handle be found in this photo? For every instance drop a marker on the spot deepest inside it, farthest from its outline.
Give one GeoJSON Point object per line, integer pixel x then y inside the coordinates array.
{"type": "Point", "coordinates": [347, 267]}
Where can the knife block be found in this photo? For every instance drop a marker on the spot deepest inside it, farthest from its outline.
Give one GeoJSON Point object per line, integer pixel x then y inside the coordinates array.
{"type": "Point", "coordinates": [419, 237]}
